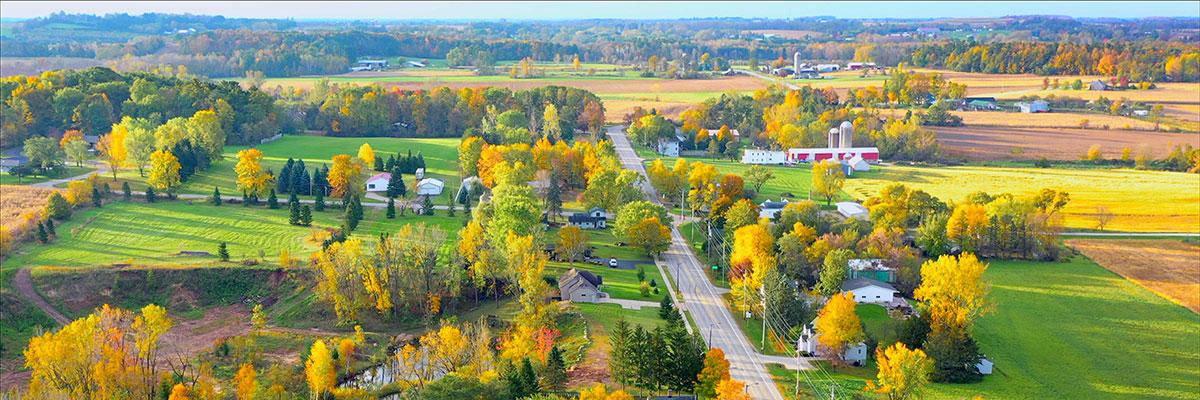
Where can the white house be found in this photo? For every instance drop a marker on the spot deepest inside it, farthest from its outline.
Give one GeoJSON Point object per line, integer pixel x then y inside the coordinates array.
{"type": "Point", "coordinates": [850, 209]}
{"type": "Point", "coordinates": [668, 147]}
{"type": "Point", "coordinates": [767, 157]}
{"type": "Point", "coordinates": [869, 290]}
{"type": "Point", "coordinates": [856, 354]}
{"type": "Point", "coordinates": [378, 182]}
{"type": "Point", "coordinates": [596, 218]}
{"type": "Point", "coordinates": [430, 187]}
{"type": "Point", "coordinates": [769, 209]}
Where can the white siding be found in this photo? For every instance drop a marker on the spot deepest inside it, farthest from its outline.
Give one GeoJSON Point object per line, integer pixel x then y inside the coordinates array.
{"type": "Point", "coordinates": [872, 294]}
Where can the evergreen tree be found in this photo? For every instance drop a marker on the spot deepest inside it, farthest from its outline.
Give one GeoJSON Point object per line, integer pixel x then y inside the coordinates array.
{"type": "Point", "coordinates": [126, 191]}
{"type": "Point", "coordinates": [96, 200]}
{"type": "Point", "coordinates": [150, 197]}
{"type": "Point", "coordinates": [41, 233]}
{"type": "Point", "coordinates": [554, 196]}
{"type": "Point", "coordinates": [396, 184]}
{"type": "Point", "coordinates": [50, 227]}
{"type": "Point", "coordinates": [620, 356]}
{"type": "Point", "coordinates": [522, 381]}
{"type": "Point", "coordinates": [686, 358]}
{"type": "Point", "coordinates": [319, 201]}
{"type": "Point", "coordinates": [420, 162]}
{"type": "Point", "coordinates": [305, 215]}
{"type": "Point", "coordinates": [391, 208]}
{"type": "Point", "coordinates": [223, 251]}
{"type": "Point", "coordinates": [450, 208]}
{"type": "Point", "coordinates": [107, 190]}
{"type": "Point", "coordinates": [379, 163]}
{"type": "Point", "coordinates": [245, 199]}
{"type": "Point", "coordinates": [283, 184]}
{"type": "Point", "coordinates": [216, 196]}
{"type": "Point", "coordinates": [391, 163]}
{"type": "Point", "coordinates": [427, 206]}
{"type": "Point", "coordinates": [301, 182]}
{"type": "Point", "coordinates": [555, 376]}
{"type": "Point", "coordinates": [272, 201]}
{"type": "Point", "coordinates": [354, 213]}
{"type": "Point", "coordinates": [666, 309]}
{"type": "Point", "coordinates": [293, 209]}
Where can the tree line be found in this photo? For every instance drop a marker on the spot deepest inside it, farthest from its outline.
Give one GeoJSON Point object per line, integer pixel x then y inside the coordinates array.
{"type": "Point", "coordinates": [1153, 61]}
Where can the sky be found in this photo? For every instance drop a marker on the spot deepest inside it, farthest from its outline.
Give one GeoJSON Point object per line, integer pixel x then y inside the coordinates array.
{"type": "Point", "coordinates": [527, 10]}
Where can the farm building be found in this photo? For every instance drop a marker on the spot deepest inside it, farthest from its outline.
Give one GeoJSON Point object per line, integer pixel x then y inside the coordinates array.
{"type": "Point", "coordinates": [769, 209]}
{"type": "Point", "coordinates": [869, 290]}
{"type": "Point", "coordinates": [370, 65]}
{"type": "Point", "coordinates": [668, 147]}
{"type": "Point", "coordinates": [766, 157]}
{"type": "Point", "coordinates": [714, 132]}
{"type": "Point", "coordinates": [857, 163]}
{"type": "Point", "coordinates": [984, 366]}
{"type": "Point", "coordinates": [1098, 85]}
{"type": "Point", "coordinates": [415, 64]}
{"type": "Point", "coordinates": [430, 187]}
{"type": "Point", "coordinates": [828, 67]}
{"type": "Point", "coordinates": [1036, 106]}
{"type": "Point", "coordinates": [841, 147]}
{"type": "Point", "coordinates": [595, 218]}
{"type": "Point", "coordinates": [872, 268]}
{"type": "Point", "coordinates": [580, 286]}
{"type": "Point", "coordinates": [855, 354]}
{"type": "Point", "coordinates": [850, 209]}
{"type": "Point", "coordinates": [378, 182]}
{"type": "Point", "coordinates": [855, 66]}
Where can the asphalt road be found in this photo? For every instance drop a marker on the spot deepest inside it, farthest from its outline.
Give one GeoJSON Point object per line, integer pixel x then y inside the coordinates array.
{"type": "Point", "coordinates": [701, 299]}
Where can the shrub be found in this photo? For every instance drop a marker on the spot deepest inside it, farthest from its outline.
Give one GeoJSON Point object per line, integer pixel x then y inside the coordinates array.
{"type": "Point", "coordinates": [57, 207]}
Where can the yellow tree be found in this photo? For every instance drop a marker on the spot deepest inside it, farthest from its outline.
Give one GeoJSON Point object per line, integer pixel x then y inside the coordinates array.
{"type": "Point", "coordinates": [179, 392]}
{"type": "Point", "coordinates": [251, 179]}
{"type": "Point", "coordinates": [838, 326]}
{"type": "Point", "coordinates": [732, 389]}
{"type": "Point", "coordinates": [527, 261]}
{"type": "Point", "coordinates": [572, 242]}
{"type": "Point", "coordinates": [366, 154]}
{"type": "Point", "coordinates": [903, 372]}
{"type": "Point", "coordinates": [345, 351]}
{"type": "Point", "coordinates": [319, 369]}
{"type": "Point", "coordinates": [246, 382]}
{"type": "Point", "coordinates": [148, 328]}
{"type": "Point", "coordinates": [953, 292]}
{"type": "Point", "coordinates": [753, 254]}
{"type": "Point", "coordinates": [967, 225]}
{"type": "Point", "coordinates": [550, 126]}
{"type": "Point", "coordinates": [112, 148]}
{"type": "Point", "coordinates": [164, 171]}
{"type": "Point", "coordinates": [716, 370]}
{"type": "Point", "coordinates": [448, 348]}
{"type": "Point", "coordinates": [651, 235]}
{"type": "Point", "coordinates": [827, 179]}
{"type": "Point", "coordinates": [599, 392]}
{"type": "Point", "coordinates": [346, 174]}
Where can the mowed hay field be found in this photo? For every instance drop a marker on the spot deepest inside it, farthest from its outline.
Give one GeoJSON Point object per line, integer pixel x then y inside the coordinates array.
{"type": "Point", "coordinates": [154, 234]}
{"type": "Point", "coordinates": [1170, 268]}
{"type": "Point", "coordinates": [1142, 201]}
{"type": "Point", "coordinates": [1011, 143]}
{"type": "Point", "coordinates": [1050, 120]}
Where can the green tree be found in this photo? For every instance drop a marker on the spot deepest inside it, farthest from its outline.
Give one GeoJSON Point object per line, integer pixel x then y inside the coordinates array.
{"type": "Point", "coordinates": [391, 208]}
{"type": "Point", "coordinates": [96, 197]}
{"type": "Point", "coordinates": [666, 309]}
{"type": "Point", "coordinates": [833, 272]}
{"type": "Point", "coordinates": [827, 179]}
{"type": "Point", "coordinates": [41, 233]}
{"type": "Point", "coordinates": [554, 377]}
{"type": "Point", "coordinates": [758, 176]}
{"type": "Point", "coordinates": [319, 200]}
{"type": "Point", "coordinates": [216, 196]}
{"type": "Point", "coordinates": [50, 227]}
{"type": "Point", "coordinates": [272, 201]}
{"type": "Point", "coordinates": [43, 153]}
{"type": "Point", "coordinates": [58, 207]}
{"type": "Point", "coordinates": [396, 184]}
{"type": "Point", "coordinates": [223, 251]}
{"type": "Point", "coordinates": [150, 195]}
{"type": "Point", "coordinates": [126, 191]}
{"type": "Point", "coordinates": [305, 215]}
{"type": "Point", "coordinates": [293, 209]}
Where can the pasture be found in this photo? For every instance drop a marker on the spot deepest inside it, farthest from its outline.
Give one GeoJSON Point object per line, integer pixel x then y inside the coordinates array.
{"type": "Point", "coordinates": [988, 143]}
{"type": "Point", "coordinates": [1166, 267]}
{"type": "Point", "coordinates": [154, 234]}
{"type": "Point", "coordinates": [1142, 201]}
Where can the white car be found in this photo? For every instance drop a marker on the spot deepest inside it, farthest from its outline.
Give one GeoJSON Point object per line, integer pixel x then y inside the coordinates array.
{"type": "Point", "coordinates": [612, 263]}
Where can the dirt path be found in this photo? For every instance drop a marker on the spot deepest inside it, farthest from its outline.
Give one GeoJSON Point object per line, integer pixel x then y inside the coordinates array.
{"type": "Point", "coordinates": [24, 287]}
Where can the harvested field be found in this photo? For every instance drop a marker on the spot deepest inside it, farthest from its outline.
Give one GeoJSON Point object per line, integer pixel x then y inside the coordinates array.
{"type": "Point", "coordinates": [1000, 143]}
{"type": "Point", "coordinates": [788, 33]}
{"type": "Point", "coordinates": [1187, 93]}
{"type": "Point", "coordinates": [18, 200]}
{"type": "Point", "coordinates": [1050, 120]}
{"type": "Point", "coordinates": [1169, 268]}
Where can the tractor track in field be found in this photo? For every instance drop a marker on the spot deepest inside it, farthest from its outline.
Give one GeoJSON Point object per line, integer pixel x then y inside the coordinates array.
{"type": "Point", "coordinates": [23, 284]}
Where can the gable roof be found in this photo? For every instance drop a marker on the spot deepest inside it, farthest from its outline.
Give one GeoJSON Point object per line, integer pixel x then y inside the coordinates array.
{"type": "Point", "coordinates": [583, 217]}
{"type": "Point", "coordinates": [382, 175]}
{"type": "Point", "coordinates": [573, 275]}
{"type": "Point", "coordinates": [859, 283]}
{"type": "Point", "coordinates": [773, 205]}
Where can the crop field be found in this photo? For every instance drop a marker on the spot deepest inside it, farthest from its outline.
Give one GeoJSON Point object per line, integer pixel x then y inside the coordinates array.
{"type": "Point", "coordinates": [1051, 120]}
{"type": "Point", "coordinates": [16, 201]}
{"type": "Point", "coordinates": [154, 234]}
{"type": "Point", "coordinates": [1058, 331]}
{"type": "Point", "coordinates": [1012, 143]}
{"type": "Point", "coordinates": [1165, 267]}
{"type": "Point", "coordinates": [1170, 92]}
{"type": "Point", "coordinates": [1141, 201]}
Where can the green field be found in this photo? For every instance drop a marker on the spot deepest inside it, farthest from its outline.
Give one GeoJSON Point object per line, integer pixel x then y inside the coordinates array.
{"type": "Point", "coordinates": [134, 232]}
{"type": "Point", "coordinates": [6, 179]}
{"type": "Point", "coordinates": [607, 315]}
{"type": "Point", "coordinates": [618, 283]}
{"type": "Point", "coordinates": [1074, 330]}
{"type": "Point", "coordinates": [441, 160]}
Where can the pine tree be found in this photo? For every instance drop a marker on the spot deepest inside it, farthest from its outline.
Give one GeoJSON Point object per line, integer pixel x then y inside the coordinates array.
{"type": "Point", "coordinates": [620, 361]}
{"type": "Point", "coordinates": [216, 196]}
{"type": "Point", "coordinates": [223, 251]}
{"type": "Point", "coordinates": [301, 182]}
{"type": "Point", "coordinates": [50, 227]}
{"type": "Point", "coordinates": [283, 185]}
{"type": "Point", "coordinates": [293, 209]}
{"type": "Point", "coordinates": [305, 216]}
{"type": "Point", "coordinates": [391, 163]}
{"type": "Point", "coordinates": [427, 206]}
{"type": "Point", "coordinates": [666, 309]}
{"type": "Point", "coordinates": [379, 163]}
{"type": "Point", "coordinates": [554, 196]}
{"type": "Point", "coordinates": [150, 197]}
{"type": "Point", "coordinates": [555, 376]}
{"type": "Point", "coordinates": [125, 189]}
{"type": "Point", "coordinates": [396, 184]}
{"type": "Point", "coordinates": [319, 202]}
{"type": "Point", "coordinates": [41, 233]}
{"type": "Point", "coordinates": [272, 201]}
{"type": "Point", "coordinates": [354, 213]}
{"type": "Point", "coordinates": [391, 208]}
{"type": "Point", "coordinates": [96, 200]}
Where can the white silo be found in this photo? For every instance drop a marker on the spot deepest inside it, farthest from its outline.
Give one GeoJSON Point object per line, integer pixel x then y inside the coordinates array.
{"type": "Point", "coordinates": [834, 133]}
{"type": "Point", "coordinates": [846, 134]}
{"type": "Point", "coordinates": [796, 61]}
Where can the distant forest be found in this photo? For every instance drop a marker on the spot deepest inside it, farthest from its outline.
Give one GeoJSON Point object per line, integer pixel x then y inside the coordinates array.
{"type": "Point", "coordinates": [215, 46]}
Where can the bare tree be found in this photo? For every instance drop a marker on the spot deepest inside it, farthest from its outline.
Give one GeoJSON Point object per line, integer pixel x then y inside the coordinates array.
{"type": "Point", "coordinates": [1103, 217]}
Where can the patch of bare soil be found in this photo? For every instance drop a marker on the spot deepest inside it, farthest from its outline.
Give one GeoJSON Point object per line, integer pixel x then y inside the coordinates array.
{"type": "Point", "coordinates": [1001, 143]}
{"type": "Point", "coordinates": [1169, 268]}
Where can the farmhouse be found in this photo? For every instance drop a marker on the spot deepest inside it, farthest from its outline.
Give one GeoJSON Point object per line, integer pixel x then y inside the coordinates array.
{"type": "Point", "coordinates": [1098, 85]}
{"type": "Point", "coordinates": [668, 147]}
{"type": "Point", "coordinates": [850, 209]}
{"type": "Point", "coordinates": [596, 218]}
{"type": "Point", "coordinates": [869, 290]}
{"type": "Point", "coordinates": [765, 157]}
{"type": "Point", "coordinates": [1036, 106]}
{"type": "Point", "coordinates": [769, 209]}
{"type": "Point", "coordinates": [430, 187]}
{"type": "Point", "coordinates": [841, 147]}
{"type": "Point", "coordinates": [378, 182]}
{"type": "Point", "coordinates": [856, 354]}
{"type": "Point", "coordinates": [580, 286]}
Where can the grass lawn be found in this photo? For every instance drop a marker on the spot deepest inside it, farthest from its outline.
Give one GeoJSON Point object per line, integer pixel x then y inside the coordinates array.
{"type": "Point", "coordinates": [605, 244]}
{"type": "Point", "coordinates": [6, 179]}
{"type": "Point", "coordinates": [607, 315]}
{"type": "Point", "coordinates": [874, 318]}
{"type": "Point", "coordinates": [134, 232]}
{"type": "Point", "coordinates": [441, 160]}
{"type": "Point", "coordinates": [1143, 201]}
{"type": "Point", "coordinates": [794, 180]}
{"type": "Point", "coordinates": [618, 283]}
{"type": "Point", "coordinates": [1074, 330]}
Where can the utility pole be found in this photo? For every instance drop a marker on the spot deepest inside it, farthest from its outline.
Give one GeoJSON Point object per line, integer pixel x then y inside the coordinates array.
{"type": "Point", "coordinates": [762, 291]}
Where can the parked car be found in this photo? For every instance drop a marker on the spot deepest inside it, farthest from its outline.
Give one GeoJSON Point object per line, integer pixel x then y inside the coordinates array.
{"type": "Point", "coordinates": [612, 263]}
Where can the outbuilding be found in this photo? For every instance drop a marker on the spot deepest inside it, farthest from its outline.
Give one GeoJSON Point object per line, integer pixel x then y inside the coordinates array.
{"type": "Point", "coordinates": [869, 290]}
{"type": "Point", "coordinates": [1036, 106]}
{"type": "Point", "coordinates": [1098, 85]}
{"type": "Point", "coordinates": [850, 209]}
{"type": "Point", "coordinates": [769, 209]}
{"type": "Point", "coordinates": [379, 182]}
{"type": "Point", "coordinates": [430, 187]}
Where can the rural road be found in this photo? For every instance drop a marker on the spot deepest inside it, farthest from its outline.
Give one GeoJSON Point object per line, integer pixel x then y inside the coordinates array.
{"type": "Point", "coordinates": [100, 168]}
{"type": "Point", "coordinates": [703, 300]}
{"type": "Point", "coordinates": [24, 287]}
{"type": "Point", "coordinates": [789, 85]}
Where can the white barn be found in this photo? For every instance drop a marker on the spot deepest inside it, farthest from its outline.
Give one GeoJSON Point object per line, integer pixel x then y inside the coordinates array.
{"type": "Point", "coordinates": [850, 209]}
{"type": "Point", "coordinates": [378, 182]}
{"type": "Point", "coordinates": [869, 291]}
{"type": "Point", "coordinates": [766, 157]}
{"type": "Point", "coordinates": [430, 187]}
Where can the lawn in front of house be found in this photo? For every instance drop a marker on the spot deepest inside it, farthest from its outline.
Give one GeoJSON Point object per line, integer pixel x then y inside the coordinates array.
{"type": "Point", "coordinates": [618, 283]}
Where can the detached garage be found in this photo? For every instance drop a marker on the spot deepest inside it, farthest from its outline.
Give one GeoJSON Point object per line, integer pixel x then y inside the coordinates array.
{"type": "Point", "coordinates": [869, 290]}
